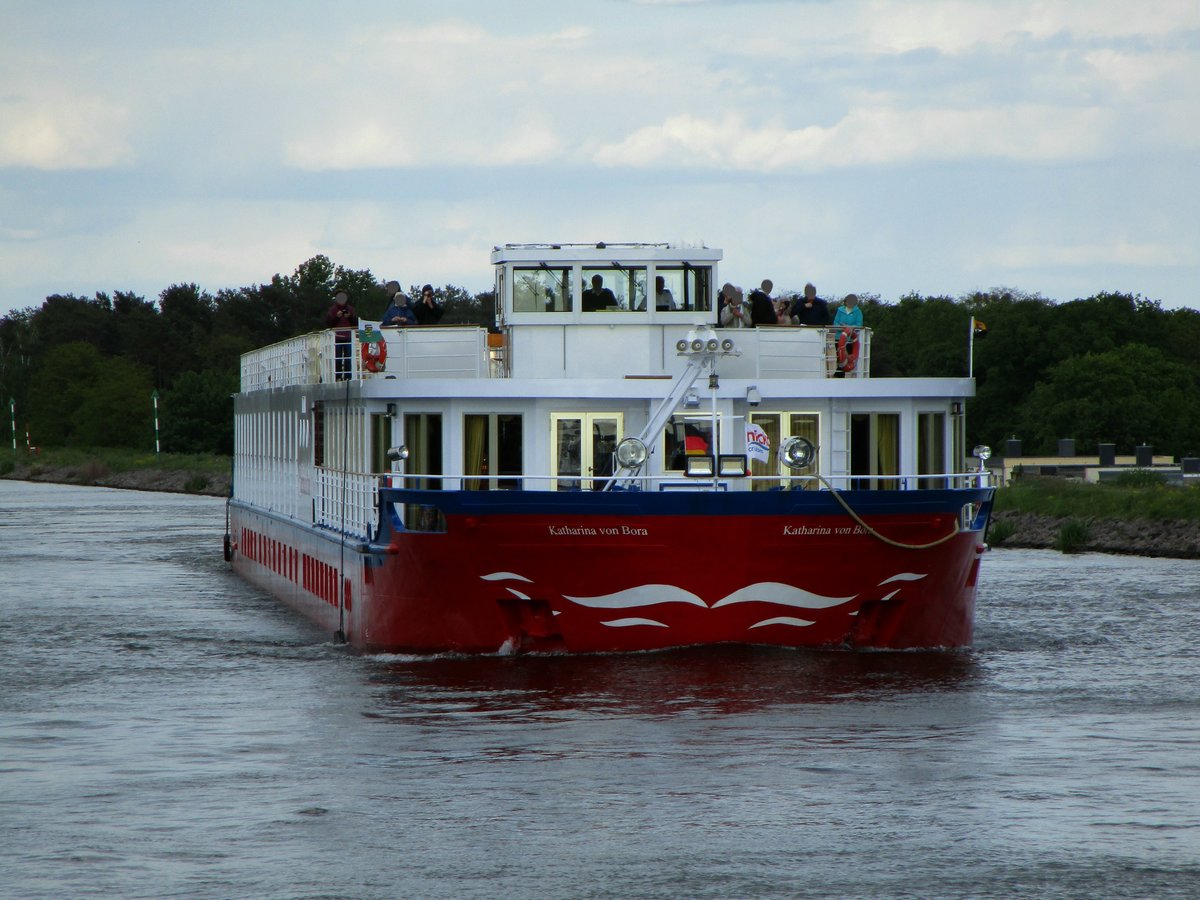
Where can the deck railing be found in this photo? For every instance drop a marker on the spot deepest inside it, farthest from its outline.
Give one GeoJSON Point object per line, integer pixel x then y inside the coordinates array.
{"type": "Point", "coordinates": [469, 351]}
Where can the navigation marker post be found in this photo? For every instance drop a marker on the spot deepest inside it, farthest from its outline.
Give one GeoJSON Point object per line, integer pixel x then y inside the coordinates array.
{"type": "Point", "coordinates": [154, 397]}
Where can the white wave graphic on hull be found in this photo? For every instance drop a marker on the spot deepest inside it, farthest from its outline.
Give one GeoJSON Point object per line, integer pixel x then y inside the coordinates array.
{"type": "Point", "coordinates": [633, 620]}
{"type": "Point", "coordinates": [784, 620]}
{"type": "Point", "coordinates": [770, 592]}
{"type": "Point", "coordinates": [500, 576]}
{"type": "Point", "coordinates": [903, 576]}
{"type": "Point", "coordinates": [781, 595]}
{"type": "Point", "coordinates": [642, 595]}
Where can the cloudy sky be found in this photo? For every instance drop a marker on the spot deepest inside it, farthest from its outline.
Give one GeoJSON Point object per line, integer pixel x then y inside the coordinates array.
{"type": "Point", "coordinates": [937, 146]}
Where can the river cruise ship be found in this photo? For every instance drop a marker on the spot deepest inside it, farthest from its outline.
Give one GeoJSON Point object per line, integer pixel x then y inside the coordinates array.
{"type": "Point", "coordinates": [606, 469]}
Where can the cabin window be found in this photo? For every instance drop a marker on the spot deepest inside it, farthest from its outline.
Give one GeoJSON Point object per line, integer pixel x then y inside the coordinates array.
{"type": "Point", "coordinates": [613, 288]}
{"type": "Point", "coordinates": [423, 437]}
{"type": "Point", "coordinates": [584, 445]}
{"type": "Point", "coordinates": [875, 450]}
{"type": "Point", "coordinates": [931, 449]}
{"type": "Point", "coordinates": [492, 452]}
{"type": "Point", "coordinates": [687, 435]}
{"type": "Point", "coordinates": [690, 286]}
{"type": "Point", "coordinates": [778, 428]}
{"type": "Point", "coordinates": [541, 289]}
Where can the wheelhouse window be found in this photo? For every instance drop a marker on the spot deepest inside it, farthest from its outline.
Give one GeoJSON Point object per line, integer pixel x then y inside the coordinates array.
{"type": "Point", "coordinates": [541, 289]}
{"type": "Point", "coordinates": [492, 452]}
{"type": "Point", "coordinates": [613, 288]}
{"type": "Point", "coordinates": [690, 286]}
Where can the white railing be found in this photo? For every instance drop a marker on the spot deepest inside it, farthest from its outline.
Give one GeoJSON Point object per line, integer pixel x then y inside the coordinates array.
{"type": "Point", "coordinates": [463, 351]}
{"type": "Point", "coordinates": [345, 502]}
{"type": "Point", "coordinates": [449, 351]}
{"type": "Point", "coordinates": [908, 482]}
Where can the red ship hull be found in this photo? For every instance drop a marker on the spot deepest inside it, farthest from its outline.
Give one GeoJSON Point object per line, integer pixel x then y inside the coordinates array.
{"type": "Point", "coordinates": [547, 573]}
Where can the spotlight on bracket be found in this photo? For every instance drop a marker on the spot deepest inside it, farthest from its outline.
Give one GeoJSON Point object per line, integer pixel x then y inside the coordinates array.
{"type": "Point", "coordinates": [631, 453]}
{"type": "Point", "coordinates": [797, 453]}
{"type": "Point", "coordinates": [397, 454]}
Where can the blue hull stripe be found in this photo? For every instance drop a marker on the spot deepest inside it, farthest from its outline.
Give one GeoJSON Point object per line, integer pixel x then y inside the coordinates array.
{"type": "Point", "coordinates": [691, 503]}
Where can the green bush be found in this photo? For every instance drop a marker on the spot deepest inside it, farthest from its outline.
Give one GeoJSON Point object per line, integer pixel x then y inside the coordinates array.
{"type": "Point", "coordinates": [195, 484]}
{"type": "Point", "coordinates": [999, 531]}
{"type": "Point", "coordinates": [1073, 536]}
{"type": "Point", "coordinates": [7, 466]}
{"type": "Point", "coordinates": [1140, 478]}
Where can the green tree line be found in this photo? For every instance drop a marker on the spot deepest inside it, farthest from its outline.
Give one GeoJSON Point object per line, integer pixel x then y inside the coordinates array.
{"type": "Point", "coordinates": [1110, 368]}
{"type": "Point", "coordinates": [82, 372]}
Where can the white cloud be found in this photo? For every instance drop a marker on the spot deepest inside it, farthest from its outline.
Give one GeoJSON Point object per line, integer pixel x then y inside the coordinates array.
{"type": "Point", "coordinates": [868, 137]}
{"type": "Point", "coordinates": [1118, 251]}
{"type": "Point", "coordinates": [53, 128]}
{"type": "Point", "coordinates": [963, 25]}
{"type": "Point", "coordinates": [368, 145]}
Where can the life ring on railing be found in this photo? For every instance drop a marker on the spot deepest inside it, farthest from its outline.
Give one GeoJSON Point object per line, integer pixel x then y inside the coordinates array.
{"type": "Point", "coordinates": [373, 349]}
{"type": "Point", "coordinates": [847, 349]}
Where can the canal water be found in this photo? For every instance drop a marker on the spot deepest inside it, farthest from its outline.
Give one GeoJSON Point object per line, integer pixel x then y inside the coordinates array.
{"type": "Point", "coordinates": [167, 730]}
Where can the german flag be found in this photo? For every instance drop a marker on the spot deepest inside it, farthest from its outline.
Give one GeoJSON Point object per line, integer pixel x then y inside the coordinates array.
{"type": "Point", "coordinates": [978, 329]}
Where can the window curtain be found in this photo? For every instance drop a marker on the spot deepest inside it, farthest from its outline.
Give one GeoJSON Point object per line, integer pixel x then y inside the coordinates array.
{"type": "Point", "coordinates": [887, 442]}
{"type": "Point", "coordinates": [474, 450]}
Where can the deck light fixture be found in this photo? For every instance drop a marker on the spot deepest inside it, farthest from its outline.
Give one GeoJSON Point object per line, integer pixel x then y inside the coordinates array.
{"type": "Point", "coordinates": [797, 453]}
{"type": "Point", "coordinates": [397, 454]}
{"type": "Point", "coordinates": [731, 465]}
{"type": "Point", "coordinates": [631, 453]}
{"type": "Point", "coordinates": [691, 400]}
{"type": "Point", "coordinates": [700, 466]}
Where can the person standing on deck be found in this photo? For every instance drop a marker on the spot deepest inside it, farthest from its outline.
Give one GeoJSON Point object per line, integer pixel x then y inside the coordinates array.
{"type": "Point", "coordinates": [428, 311]}
{"type": "Point", "coordinates": [810, 309]}
{"type": "Point", "coordinates": [343, 317]}
{"type": "Point", "coordinates": [849, 319]}
{"type": "Point", "coordinates": [762, 309]}
{"type": "Point", "coordinates": [736, 312]}
{"type": "Point", "coordinates": [398, 312]}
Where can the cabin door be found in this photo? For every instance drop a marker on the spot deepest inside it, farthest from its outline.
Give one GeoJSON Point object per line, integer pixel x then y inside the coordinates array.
{"type": "Point", "coordinates": [778, 427]}
{"type": "Point", "coordinates": [584, 444]}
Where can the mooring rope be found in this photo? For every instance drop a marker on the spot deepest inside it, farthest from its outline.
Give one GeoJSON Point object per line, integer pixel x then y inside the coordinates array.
{"type": "Point", "coordinates": [875, 534]}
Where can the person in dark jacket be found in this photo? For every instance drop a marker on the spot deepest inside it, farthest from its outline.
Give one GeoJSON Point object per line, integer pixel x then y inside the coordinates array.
{"type": "Point", "coordinates": [762, 309]}
{"type": "Point", "coordinates": [398, 312]}
{"type": "Point", "coordinates": [810, 309]}
{"type": "Point", "coordinates": [343, 317]}
{"type": "Point", "coordinates": [428, 311]}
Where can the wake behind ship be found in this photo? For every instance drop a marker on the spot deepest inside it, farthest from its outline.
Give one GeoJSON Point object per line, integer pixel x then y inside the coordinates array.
{"type": "Point", "coordinates": [606, 471]}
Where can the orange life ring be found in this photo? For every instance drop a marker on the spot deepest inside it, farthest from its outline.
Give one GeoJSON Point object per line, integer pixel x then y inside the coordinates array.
{"type": "Point", "coordinates": [847, 349]}
{"type": "Point", "coordinates": [374, 354]}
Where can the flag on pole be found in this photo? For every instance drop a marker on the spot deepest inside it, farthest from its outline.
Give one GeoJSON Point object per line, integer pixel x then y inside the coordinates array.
{"type": "Point", "coordinates": [758, 445]}
{"type": "Point", "coordinates": [978, 329]}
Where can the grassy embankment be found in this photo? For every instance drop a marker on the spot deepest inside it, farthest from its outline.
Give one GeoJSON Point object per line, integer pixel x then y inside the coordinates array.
{"type": "Point", "coordinates": [1136, 495]}
{"type": "Point", "coordinates": [190, 472]}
